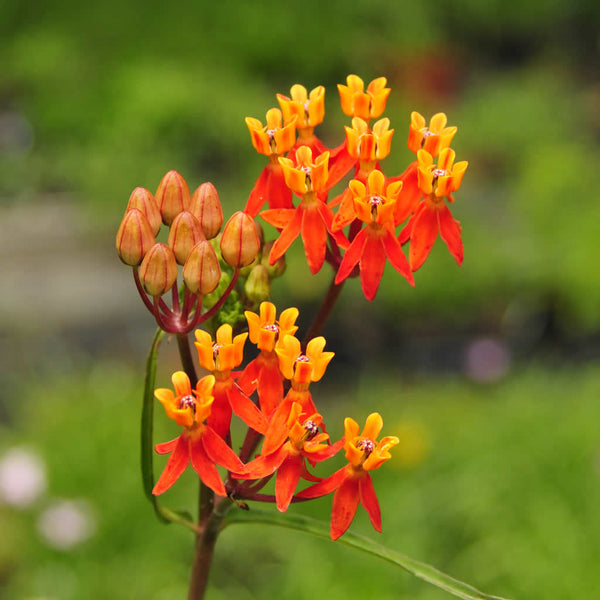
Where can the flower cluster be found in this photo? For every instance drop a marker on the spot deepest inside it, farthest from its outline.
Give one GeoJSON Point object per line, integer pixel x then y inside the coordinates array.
{"type": "Point", "coordinates": [292, 431]}
{"type": "Point", "coordinates": [372, 206]}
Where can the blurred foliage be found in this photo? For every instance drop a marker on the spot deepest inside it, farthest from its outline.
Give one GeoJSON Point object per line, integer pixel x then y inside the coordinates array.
{"type": "Point", "coordinates": [497, 485]}
{"type": "Point", "coordinates": [95, 100]}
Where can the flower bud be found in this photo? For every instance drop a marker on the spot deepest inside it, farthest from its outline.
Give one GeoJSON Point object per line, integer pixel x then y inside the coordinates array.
{"type": "Point", "coordinates": [158, 271]}
{"type": "Point", "coordinates": [206, 207]}
{"type": "Point", "coordinates": [258, 285]}
{"type": "Point", "coordinates": [239, 243]}
{"type": "Point", "coordinates": [134, 238]}
{"type": "Point", "coordinates": [143, 200]}
{"type": "Point", "coordinates": [185, 233]}
{"type": "Point", "coordinates": [278, 268]}
{"type": "Point", "coordinates": [172, 196]}
{"type": "Point", "coordinates": [201, 272]}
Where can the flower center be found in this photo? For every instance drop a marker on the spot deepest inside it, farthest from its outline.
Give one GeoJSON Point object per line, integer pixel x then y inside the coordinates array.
{"type": "Point", "coordinates": [274, 328]}
{"type": "Point", "coordinates": [439, 173]}
{"type": "Point", "coordinates": [216, 348]}
{"type": "Point", "coordinates": [303, 358]}
{"type": "Point", "coordinates": [187, 402]}
{"type": "Point", "coordinates": [311, 429]}
{"type": "Point", "coordinates": [367, 446]}
{"type": "Point", "coordinates": [375, 201]}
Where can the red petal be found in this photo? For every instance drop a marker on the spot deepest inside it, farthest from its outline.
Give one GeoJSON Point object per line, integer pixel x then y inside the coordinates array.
{"type": "Point", "coordinates": [277, 433]}
{"type": "Point", "coordinates": [278, 217]}
{"type": "Point", "coordinates": [258, 194]}
{"type": "Point", "coordinates": [219, 452]}
{"type": "Point", "coordinates": [450, 232]}
{"type": "Point", "coordinates": [340, 162]}
{"type": "Point", "coordinates": [422, 238]}
{"type": "Point", "coordinates": [345, 503]}
{"type": "Point", "coordinates": [270, 388]}
{"type": "Point", "coordinates": [278, 194]}
{"type": "Point", "coordinates": [408, 199]}
{"type": "Point", "coordinates": [352, 256]}
{"type": "Point", "coordinates": [205, 467]}
{"type": "Point", "coordinates": [314, 236]}
{"type": "Point", "coordinates": [345, 214]}
{"type": "Point", "coordinates": [264, 465]}
{"type": "Point", "coordinates": [407, 230]}
{"type": "Point", "coordinates": [248, 380]}
{"type": "Point", "coordinates": [326, 486]}
{"type": "Point", "coordinates": [288, 476]}
{"type": "Point", "coordinates": [369, 501]}
{"type": "Point", "coordinates": [166, 447]}
{"type": "Point", "coordinates": [328, 452]}
{"type": "Point", "coordinates": [393, 250]}
{"type": "Point", "coordinates": [176, 465]}
{"type": "Point", "coordinates": [246, 410]}
{"type": "Point", "coordinates": [287, 236]}
{"type": "Point", "coordinates": [372, 264]}
{"type": "Point", "coordinates": [220, 413]}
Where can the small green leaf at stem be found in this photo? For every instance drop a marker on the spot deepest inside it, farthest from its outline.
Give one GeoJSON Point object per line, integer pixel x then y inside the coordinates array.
{"type": "Point", "coordinates": [321, 529]}
{"type": "Point", "coordinates": [164, 514]}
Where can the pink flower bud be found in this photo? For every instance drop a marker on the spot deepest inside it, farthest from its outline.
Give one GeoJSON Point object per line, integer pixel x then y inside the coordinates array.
{"type": "Point", "coordinates": [158, 271]}
{"type": "Point", "coordinates": [239, 243]}
{"type": "Point", "coordinates": [201, 272]}
{"type": "Point", "coordinates": [206, 207]}
{"type": "Point", "coordinates": [172, 196]}
{"type": "Point", "coordinates": [143, 200]}
{"type": "Point", "coordinates": [185, 233]}
{"type": "Point", "coordinates": [134, 238]}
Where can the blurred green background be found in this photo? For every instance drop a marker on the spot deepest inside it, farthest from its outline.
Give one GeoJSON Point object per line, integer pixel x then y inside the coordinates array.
{"type": "Point", "coordinates": [489, 373]}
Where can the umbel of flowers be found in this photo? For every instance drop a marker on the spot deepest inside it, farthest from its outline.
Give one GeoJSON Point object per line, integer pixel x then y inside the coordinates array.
{"type": "Point", "coordinates": [208, 276]}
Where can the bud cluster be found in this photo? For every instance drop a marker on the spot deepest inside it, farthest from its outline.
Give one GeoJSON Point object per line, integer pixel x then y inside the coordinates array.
{"type": "Point", "coordinates": [195, 250]}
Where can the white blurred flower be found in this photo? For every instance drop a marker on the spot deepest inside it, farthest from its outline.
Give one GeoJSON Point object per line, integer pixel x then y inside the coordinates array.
{"type": "Point", "coordinates": [22, 477]}
{"type": "Point", "coordinates": [67, 523]}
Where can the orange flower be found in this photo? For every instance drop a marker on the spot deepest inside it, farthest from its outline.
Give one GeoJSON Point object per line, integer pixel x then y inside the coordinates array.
{"type": "Point", "coordinates": [301, 369]}
{"type": "Point", "coordinates": [273, 140]}
{"type": "Point", "coordinates": [432, 216]}
{"type": "Point", "coordinates": [366, 144]}
{"type": "Point", "coordinates": [434, 138]}
{"type": "Point", "coordinates": [198, 443]}
{"type": "Point", "coordinates": [274, 137]}
{"type": "Point", "coordinates": [353, 483]}
{"type": "Point", "coordinates": [312, 217]}
{"type": "Point", "coordinates": [221, 357]}
{"type": "Point", "coordinates": [263, 372]}
{"type": "Point", "coordinates": [305, 175]}
{"type": "Point", "coordinates": [309, 109]}
{"type": "Point", "coordinates": [375, 205]}
{"type": "Point", "coordinates": [304, 442]}
{"type": "Point", "coordinates": [358, 103]}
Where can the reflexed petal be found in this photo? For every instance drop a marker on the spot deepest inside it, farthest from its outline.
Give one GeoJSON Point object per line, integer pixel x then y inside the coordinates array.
{"type": "Point", "coordinates": [372, 264]}
{"type": "Point", "coordinates": [345, 503]}
{"type": "Point", "coordinates": [270, 387]}
{"type": "Point", "coordinates": [287, 236]}
{"type": "Point", "coordinates": [423, 235]}
{"type": "Point", "coordinates": [288, 476]}
{"type": "Point", "coordinates": [205, 467]}
{"type": "Point", "coordinates": [176, 465]}
{"type": "Point", "coordinates": [277, 433]}
{"type": "Point", "coordinates": [326, 486]}
{"type": "Point", "coordinates": [244, 408]}
{"type": "Point", "coordinates": [314, 237]}
{"type": "Point", "coordinates": [219, 452]}
{"type": "Point", "coordinates": [258, 195]}
{"type": "Point", "coordinates": [166, 447]}
{"type": "Point", "coordinates": [450, 232]}
{"type": "Point", "coordinates": [369, 501]}
{"type": "Point", "coordinates": [352, 256]}
{"type": "Point", "coordinates": [278, 217]}
{"type": "Point", "coordinates": [340, 162]}
{"type": "Point", "coordinates": [264, 465]}
{"type": "Point", "coordinates": [393, 250]}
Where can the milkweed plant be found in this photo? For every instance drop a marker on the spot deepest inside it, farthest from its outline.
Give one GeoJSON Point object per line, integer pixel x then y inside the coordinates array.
{"type": "Point", "coordinates": [212, 285]}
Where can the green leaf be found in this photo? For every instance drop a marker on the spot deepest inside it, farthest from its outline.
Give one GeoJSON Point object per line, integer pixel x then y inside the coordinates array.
{"type": "Point", "coordinates": [164, 514]}
{"type": "Point", "coordinates": [364, 544]}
